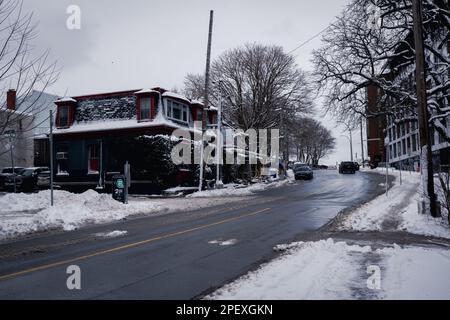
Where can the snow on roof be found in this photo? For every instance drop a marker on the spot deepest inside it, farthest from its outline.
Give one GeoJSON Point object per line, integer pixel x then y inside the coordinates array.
{"type": "Point", "coordinates": [119, 124]}
{"type": "Point", "coordinates": [212, 108]}
{"type": "Point", "coordinates": [66, 99]}
{"type": "Point", "coordinates": [196, 102]}
{"type": "Point", "coordinates": [146, 91]}
{"type": "Point", "coordinates": [175, 95]}
{"type": "Point", "coordinates": [15, 112]}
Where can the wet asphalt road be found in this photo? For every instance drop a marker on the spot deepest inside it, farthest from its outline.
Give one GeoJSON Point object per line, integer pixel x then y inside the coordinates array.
{"type": "Point", "coordinates": [178, 255]}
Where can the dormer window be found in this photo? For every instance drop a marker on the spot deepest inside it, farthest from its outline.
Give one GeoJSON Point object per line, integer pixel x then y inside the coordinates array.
{"type": "Point", "coordinates": [63, 116]}
{"type": "Point", "coordinates": [145, 103]}
{"type": "Point", "coordinates": [144, 108]}
{"type": "Point", "coordinates": [65, 112]}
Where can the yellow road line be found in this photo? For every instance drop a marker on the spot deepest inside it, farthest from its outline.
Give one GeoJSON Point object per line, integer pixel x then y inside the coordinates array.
{"type": "Point", "coordinates": [127, 246]}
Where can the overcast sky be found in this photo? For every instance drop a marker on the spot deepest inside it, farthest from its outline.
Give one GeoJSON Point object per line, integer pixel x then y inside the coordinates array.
{"type": "Point", "coordinates": [134, 44]}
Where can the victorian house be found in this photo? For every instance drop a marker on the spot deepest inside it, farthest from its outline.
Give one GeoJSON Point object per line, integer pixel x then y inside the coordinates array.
{"type": "Point", "coordinates": [92, 133]}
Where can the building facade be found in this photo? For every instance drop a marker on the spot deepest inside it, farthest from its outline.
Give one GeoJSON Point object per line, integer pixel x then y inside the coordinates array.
{"type": "Point", "coordinates": [28, 118]}
{"type": "Point", "coordinates": [96, 134]}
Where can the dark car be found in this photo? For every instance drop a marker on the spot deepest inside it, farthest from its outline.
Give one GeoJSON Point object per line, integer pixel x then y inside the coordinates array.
{"type": "Point", "coordinates": [356, 166]}
{"type": "Point", "coordinates": [26, 180]}
{"type": "Point", "coordinates": [302, 171]}
{"type": "Point", "coordinates": [347, 167]}
{"type": "Point", "coordinates": [7, 172]}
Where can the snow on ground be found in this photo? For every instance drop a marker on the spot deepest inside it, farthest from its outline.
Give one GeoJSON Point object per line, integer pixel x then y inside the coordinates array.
{"type": "Point", "coordinates": [335, 270]}
{"type": "Point", "coordinates": [236, 190]}
{"type": "Point", "coordinates": [398, 210]}
{"type": "Point", "coordinates": [23, 213]}
{"type": "Point", "coordinates": [310, 270]}
{"type": "Point", "coordinates": [112, 234]}
{"type": "Point", "coordinates": [415, 273]}
{"type": "Point", "coordinates": [229, 242]}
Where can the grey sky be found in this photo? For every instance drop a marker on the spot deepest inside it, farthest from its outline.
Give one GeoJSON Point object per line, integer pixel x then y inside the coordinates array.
{"type": "Point", "coordinates": [141, 43]}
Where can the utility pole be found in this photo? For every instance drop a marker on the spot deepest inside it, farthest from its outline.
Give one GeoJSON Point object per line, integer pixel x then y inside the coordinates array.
{"type": "Point", "coordinates": [206, 101]}
{"type": "Point", "coordinates": [51, 157]}
{"type": "Point", "coordinates": [12, 135]}
{"type": "Point", "coordinates": [362, 141]}
{"type": "Point", "coordinates": [351, 145]}
{"type": "Point", "coordinates": [219, 140]}
{"type": "Point", "coordinates": [425, 141]}
{"type": "Point", "coordinates": [388, 157]}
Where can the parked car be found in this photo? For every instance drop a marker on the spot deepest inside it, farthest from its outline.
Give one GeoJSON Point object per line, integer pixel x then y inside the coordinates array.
{"type": "Point", "coordinates": [356, 166]}
{"type": "Point", "coordinates": [347, 167]}
{"type": "Point", "coordinates": [303, 172]}
{"type": "Point", "coordinates": [26, 180]}
{"type": "Point", "coordinates": [43, 180]}
{"type": "Point", "coordinates": [6, 172]}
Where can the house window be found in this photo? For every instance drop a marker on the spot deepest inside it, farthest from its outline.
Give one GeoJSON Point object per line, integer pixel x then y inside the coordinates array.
{"type": "Point", "coordinates": [144, 108]}
{"type": "Point", "coordinates": [93, 158]}
{"type": "Point", "coordinates": [177, 111]}
{"type": "Point", "coordinates": [62, 161]}
{"type": "Point", "coordinates": [63, 116]}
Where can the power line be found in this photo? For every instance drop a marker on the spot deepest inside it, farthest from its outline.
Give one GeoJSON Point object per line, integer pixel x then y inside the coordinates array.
{"type": "Point", "coordinates": [310, 39]}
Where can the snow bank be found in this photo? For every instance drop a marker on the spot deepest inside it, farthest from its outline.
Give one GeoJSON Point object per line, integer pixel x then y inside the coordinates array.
{"type": "Point", "coordinates": [310, 270]}
{"type": "Point", "coordinates": [69, 212]}
{"type": "Point", "coordinates": [236, 190]}
{"type": "Point", "coordinates": [397, 211]}
{"type": "Point", "coordinates": [336, 270]}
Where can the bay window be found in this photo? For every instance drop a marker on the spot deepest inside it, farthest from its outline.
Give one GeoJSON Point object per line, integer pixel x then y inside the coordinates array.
{"type": "Point", "coordinates": [177, 111]}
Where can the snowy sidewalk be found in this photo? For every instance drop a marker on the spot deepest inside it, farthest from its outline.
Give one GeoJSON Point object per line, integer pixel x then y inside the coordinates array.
{"type": "Point", "coordinates": [335, 270]}
{"type": "Point", "coordinates": [369, 268]}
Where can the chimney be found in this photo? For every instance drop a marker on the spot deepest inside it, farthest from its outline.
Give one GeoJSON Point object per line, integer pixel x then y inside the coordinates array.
{"type": "Point", "coordinates": [11, 99]}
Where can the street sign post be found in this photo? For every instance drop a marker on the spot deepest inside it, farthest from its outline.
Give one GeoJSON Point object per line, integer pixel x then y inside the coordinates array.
{"type": "Point", "coordinates": [119, 185]}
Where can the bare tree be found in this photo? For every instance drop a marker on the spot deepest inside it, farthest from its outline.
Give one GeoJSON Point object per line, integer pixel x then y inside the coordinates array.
{"type": "Point", "coordinates": [356, 55]}
{"type": "Point", "coordinates": [311, 141]}
{"type": "Point", "coordinates": [262, 85]}
{"type": "Point", "coordinates": [21, 68]}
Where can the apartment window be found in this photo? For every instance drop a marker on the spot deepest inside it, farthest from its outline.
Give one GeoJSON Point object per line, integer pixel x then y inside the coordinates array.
{"type": "Point", "coordinates": [395, 150]}
{"type": "Point", "coordinates": [414, 142]}
{"type": "Point", "coordinates": [93, 158]}
{"type": "Point", "coordinates": [144, 108]}
{"type": "Point", "coordinates": [413, 126]}
{"type": "Point", "coordinates": [408, 145]}
{"type": "Point", "coordinates": [390, 152]}
{"type": "Point", "coordinates": [403, 146]}
{"type": "Point", "coordinates": [177, 111]}
{"type": "Point", "coordinates": [63, 116]}
{"type": "Point", "coordinates": [398, 131]}
{"type": "Point", "coordinates": [399, 148]}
